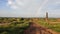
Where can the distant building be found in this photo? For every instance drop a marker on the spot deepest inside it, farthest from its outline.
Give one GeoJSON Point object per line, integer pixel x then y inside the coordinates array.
{"type": "Point", "coordinates": [46, 17]}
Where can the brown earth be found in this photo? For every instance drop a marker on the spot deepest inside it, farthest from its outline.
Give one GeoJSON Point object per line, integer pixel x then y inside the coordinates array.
{"type": "Point", "coordinates": [34, 28]}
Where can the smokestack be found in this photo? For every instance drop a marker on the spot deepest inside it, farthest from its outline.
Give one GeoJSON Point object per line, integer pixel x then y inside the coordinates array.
{"type": "Point", "coordinates": [46, 16]}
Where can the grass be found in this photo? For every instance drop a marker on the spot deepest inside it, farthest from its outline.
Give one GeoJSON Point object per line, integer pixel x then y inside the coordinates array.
{"type": "Point", "coordinates": [20, 24]}
{"type": "Point", "coordinates": [55, 27]}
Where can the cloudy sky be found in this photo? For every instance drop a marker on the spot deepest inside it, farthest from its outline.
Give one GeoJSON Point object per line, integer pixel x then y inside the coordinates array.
{"type": "Point", "coordinates": [29, 8]}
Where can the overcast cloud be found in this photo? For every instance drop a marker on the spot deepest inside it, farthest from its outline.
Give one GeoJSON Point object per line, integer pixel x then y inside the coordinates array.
{"type": "Point", "coordinates": [29, 8]}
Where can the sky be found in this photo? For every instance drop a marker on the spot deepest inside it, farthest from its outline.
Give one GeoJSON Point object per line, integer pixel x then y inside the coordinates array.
{"type": "Point", "coordinates": [29, 8]}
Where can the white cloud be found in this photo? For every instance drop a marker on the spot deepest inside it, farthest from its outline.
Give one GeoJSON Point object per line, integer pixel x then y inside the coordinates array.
{"type": "Point", "coordinates": [14, 7]}
{"type": "Point", "coordinates": [29, 7]}
{"type": "Point", "coordinates": [41, 6]}
{"type": "Point", "coordinates": [52, 5]}
{"type": "Point", "coordinates": [15, 4]}
{"type": "Point", "coordinates": [10, 2]}
{"type": "Point", "coordinates": [18, 2]}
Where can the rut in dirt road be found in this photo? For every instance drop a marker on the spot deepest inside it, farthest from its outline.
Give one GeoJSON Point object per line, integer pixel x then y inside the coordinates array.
{"type": "Point", "coordinates": [35, 29]}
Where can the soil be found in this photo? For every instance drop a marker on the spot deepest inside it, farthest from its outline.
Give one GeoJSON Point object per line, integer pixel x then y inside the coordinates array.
{"type": "Point", "coordinates": [34, 28]}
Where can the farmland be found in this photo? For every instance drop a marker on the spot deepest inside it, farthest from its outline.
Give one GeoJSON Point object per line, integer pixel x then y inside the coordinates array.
{"type": "Point", "coordinates": [14, 25]}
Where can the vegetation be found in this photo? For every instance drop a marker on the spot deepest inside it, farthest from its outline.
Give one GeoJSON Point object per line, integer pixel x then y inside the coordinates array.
{"type": "Point", "coordinates": [13, 26]}
{"type": "Point", "coordinates": [55, 26]}
{"type": "Point", "coordinates": [18, 25]}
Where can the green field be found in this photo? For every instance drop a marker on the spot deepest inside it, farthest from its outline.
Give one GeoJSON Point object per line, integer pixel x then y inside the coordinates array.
{"type": "Point", "coordinates": [18, 25]}
{"type": "Point", "coordinates": [55, 27]}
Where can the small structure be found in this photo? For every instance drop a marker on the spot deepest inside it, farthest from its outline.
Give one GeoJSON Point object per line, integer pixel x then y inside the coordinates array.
{"type": "Point", "coordinates": [46, 17]}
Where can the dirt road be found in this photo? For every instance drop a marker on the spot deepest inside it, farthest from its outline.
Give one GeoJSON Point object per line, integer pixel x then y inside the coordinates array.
{"type": "Point", "coordinates": [34, 28]}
